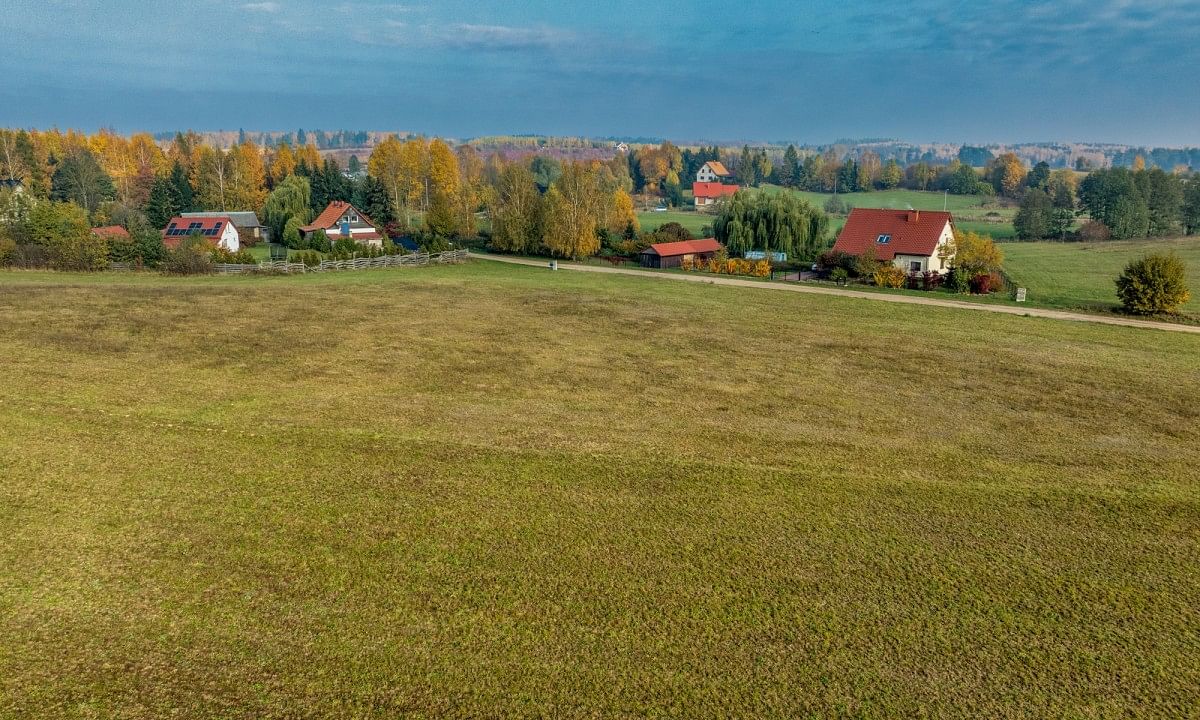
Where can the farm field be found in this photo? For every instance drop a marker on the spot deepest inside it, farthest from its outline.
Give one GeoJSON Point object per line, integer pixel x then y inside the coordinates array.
{"type": "Point", "coordinates": [490, 490]}
{"type": "Point", "coordinates": [1082, 275]}
{"type": "Point", "coordinates": [695, 222]}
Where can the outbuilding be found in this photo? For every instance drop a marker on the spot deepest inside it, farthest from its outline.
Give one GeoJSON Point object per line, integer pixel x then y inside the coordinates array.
{"type": "Point", "coordinates": [672, 254]}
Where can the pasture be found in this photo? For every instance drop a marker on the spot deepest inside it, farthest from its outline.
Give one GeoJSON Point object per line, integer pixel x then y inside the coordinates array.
{"type": "Point", "coordinates": [490, 490]}
{"type": "Point", "coordinates": [1082, 275]}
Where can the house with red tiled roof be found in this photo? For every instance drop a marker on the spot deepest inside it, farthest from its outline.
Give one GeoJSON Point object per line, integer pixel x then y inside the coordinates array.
{"type": "Point", "coordinates": [111, 232]}
{"type": "Point", "coordinates": [341, 220]}
{"type": "Point", "coordinates": [218, 230]}
{"type": "Point", "coordinates": [672, 254]}
{"type": "Point", "coordinates": [712, 172]}
{"type": "Point", "coordinates": [912, 240]}
{"type": "Point", "coordinates": [705, 194]}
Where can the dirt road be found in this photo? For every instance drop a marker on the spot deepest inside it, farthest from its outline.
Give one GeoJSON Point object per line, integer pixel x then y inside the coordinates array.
{"type": "Point", "coordinates": [839, 292]}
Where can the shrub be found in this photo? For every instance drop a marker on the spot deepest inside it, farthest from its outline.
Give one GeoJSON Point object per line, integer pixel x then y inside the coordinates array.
{"type": "Point", "coordinates": [192, 257]}
{"type": "Point", "coordinates": [931, 280]}
{"type": "Point", "coordinates": [865, 265]}
{"type": "Point", "coordinates": [831, 259]}
{"type": "Point", "coordinates": [839, 274]}
{"type": "Point", "coordinates": [762, 268]}
{"type": "Point", "coordinates": [985, 283]}
{"type": "Point", "coordinates": [1155, 283]}
{"type": "Point", "coordinates": [30, 255]}
{"type": "Point", "coordinates": [889, 276]}
{"type": "Point", "coordinates": [8, 246]}
{"type": "Point", "coordinates": [223, 255]}
{"type": "Point", "coordinates": [309, 258]}
{"type": "Point", "coordinates": [957, 280]}
{"type": "Point", "coordinates": [1094, 231]}
{"type": "Point", "coordinates": [836, 206]}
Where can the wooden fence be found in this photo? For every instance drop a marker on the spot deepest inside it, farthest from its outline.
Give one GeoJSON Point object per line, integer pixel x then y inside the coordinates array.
{"type": "Point", "coordinates": [362, 263]}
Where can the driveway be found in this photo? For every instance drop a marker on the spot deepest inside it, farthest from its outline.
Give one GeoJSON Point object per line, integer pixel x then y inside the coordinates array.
{"type": "Point", "coordinates": [839, 292]}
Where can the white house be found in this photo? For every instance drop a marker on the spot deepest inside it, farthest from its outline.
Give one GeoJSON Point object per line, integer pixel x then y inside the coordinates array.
{"type": "Point", "coordinates": [915, 241]}
{"type": "Point", "coordinates": [342, 220]}
{"type": "Point", "coordinates": [217, 229]}
{"type": "Point", "coordinates": [711, 172]}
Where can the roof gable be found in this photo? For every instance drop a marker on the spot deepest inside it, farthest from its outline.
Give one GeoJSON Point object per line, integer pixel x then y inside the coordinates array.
{"type": "Point", "coordinates": [717, 167]}
{"type": "Point", "coordinates": [328, 219]}
{"type": "Point", "coordinates": [908, 232]}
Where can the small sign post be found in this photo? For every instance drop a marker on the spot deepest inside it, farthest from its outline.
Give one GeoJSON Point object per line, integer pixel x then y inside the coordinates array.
{"type": "Point", "coordinates": [1020, 294]}
{"type": "Point", "coordinates": [553, 264]}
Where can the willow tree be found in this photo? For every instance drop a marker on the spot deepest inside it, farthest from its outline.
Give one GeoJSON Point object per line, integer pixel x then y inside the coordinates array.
{"type": "Point", "coordinates": [773, 223]}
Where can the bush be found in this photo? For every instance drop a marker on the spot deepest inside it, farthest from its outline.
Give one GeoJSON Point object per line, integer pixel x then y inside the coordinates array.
{"type": "Point", "coordinates": [836, 206]}
{"type": "Point", "coordinates": [223, 255]}
{"type": "Point", "coordinates": [8, 246]}
{"type": "Point", "coordinates": [831, 259]}
{"type": "Point", "coordinates": [309, 258]}
{"type": "Point", "coordinates": [1155, 283]}
{"type": "Point", "coordinates": [1094, 231]}
{"type": "Point", "coordinates": [889, 276]}
{"type": "Point", "coordinates": [986, 283]}
{"type": "Point", "coordinates": [931, 280]}
{"type": "Point", "coordinates": [957, 280]}
{"type": "Point", "coordinates": [866, 265]}
{"type": "Point", "coordinates": [839, 274]}
{"type": "Point", "coordinates": [192, 257]}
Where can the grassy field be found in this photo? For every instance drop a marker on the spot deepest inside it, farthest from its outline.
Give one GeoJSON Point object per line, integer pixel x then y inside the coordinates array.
{"type": "Point", "coordinates": [498, 491]}
{"type": "Point", "coordinates": [976, 213]}
{"type": "Point", "coordinates": [695, 222]}
{"type": "Point", "coordinates": [1081, 275]}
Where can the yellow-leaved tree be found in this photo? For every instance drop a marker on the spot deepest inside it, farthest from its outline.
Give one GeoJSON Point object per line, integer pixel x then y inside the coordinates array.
{"type": "Point", "coordinates": [574, 209]}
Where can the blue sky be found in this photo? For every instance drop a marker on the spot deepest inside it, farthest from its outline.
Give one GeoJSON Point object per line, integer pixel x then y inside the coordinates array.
{"type": "Point", "coordinates": [922, 70]}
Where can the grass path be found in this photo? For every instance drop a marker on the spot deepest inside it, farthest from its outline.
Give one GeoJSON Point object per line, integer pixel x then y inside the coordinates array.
{"type": "Point", "coordinates": [883, 297]}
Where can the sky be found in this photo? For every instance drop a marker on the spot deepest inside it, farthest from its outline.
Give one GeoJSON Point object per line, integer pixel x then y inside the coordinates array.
{"type": "Point", "coordinates": [1004, 71]}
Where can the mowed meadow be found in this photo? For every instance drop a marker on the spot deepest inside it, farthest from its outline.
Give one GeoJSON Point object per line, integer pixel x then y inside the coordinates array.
{"type": "Point", "coordinates": [490, 490]}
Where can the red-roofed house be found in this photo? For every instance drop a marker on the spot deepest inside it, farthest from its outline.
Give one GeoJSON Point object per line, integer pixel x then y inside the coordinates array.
{"type": "Point", "coordinates": [111, 232]}
{"type": "Point", "coordinates": [712, 171]}
{"type": "Point", "coordinates": [342, 220]}
{"type": "Point", "coordinates": [708, 193]}
{"type": "Point", "coordinates": [912, 240]}
{"type": "Point", "coordinates": [217, 229]}
{"type": "Point", "coordinates": [672, 254]}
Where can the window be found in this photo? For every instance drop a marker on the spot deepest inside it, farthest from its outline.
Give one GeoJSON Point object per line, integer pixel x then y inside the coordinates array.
{"type": "Point", "coordinates": [914, 266]}
{"type": "Point", "coordinates": [884, 239]}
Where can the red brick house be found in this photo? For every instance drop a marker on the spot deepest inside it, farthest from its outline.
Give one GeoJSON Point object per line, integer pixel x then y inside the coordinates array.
{"type": "Point", "coordinates": [912, 240]}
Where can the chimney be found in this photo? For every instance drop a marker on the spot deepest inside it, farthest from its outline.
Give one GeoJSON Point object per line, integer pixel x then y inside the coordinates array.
{"type": "Point", "coordinates": [914, 216]}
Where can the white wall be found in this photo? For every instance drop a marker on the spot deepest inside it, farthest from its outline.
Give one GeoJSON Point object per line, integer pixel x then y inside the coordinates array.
{"type": "Point", "coordinates": [229, 237]}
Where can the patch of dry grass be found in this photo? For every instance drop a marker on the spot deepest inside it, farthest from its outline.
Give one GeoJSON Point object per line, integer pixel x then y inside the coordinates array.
{"type": "Point", "coordinates": [493, 490]}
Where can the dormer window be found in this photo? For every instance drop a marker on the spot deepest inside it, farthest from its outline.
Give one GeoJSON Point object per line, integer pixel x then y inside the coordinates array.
{"type": "Point", "coordinates": [884, 239]}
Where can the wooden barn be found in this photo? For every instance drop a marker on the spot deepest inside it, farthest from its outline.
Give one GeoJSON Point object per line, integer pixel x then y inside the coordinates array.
{"type": "Point", "coordinates": [672, 254]}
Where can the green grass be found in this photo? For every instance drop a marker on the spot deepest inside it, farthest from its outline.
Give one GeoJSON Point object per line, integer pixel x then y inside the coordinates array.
{"type": "Point", "coordinates": [1082, 275]}
{"type": "Point", "coordinates": [498, 491]}
{"type": "Point", "coordinates": [695, 222]}
{"type": "Point", "coordinates": [977, 213]}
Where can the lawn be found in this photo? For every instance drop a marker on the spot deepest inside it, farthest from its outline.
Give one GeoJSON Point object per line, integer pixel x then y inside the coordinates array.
{"type": "Point", "coordinates": [1082, 275]}
{"type": "Point", "coordinates": [695, 222]}
{"type": "Point", "coordinates": [489, 490]}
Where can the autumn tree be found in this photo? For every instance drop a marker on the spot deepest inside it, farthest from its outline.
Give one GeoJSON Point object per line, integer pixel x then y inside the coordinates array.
{"type": "Point", "coordinates": [515, 210]}
{"type": "Point", "coordinates": [574, 211]}
{"type": "Point", "coordinates": [1007, 174]}
{"type": "Point", "coordinates": [976, 254]}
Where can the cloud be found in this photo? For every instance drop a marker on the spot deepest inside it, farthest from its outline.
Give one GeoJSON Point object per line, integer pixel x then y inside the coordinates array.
{"type": "Point", "coordinates": [468, 36]}
{"type": "Point", "coordinates": [263, 7]}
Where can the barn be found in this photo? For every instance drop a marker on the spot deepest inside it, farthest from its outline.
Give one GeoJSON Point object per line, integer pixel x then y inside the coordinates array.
{"type": "Point", "coordinates": [672, 254]}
